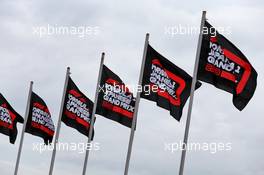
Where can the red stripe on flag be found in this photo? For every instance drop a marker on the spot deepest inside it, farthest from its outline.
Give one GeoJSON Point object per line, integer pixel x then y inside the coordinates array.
{"type": "Point", "coordinates": [175, 78]}
{"type": "Point", "coordinates": [43, 128]}
{"type": "Point", "coordinates": [228, 76]}
{"type": "Point", "coordinates": [247, 69]}
{"type": "Point", "coordinates": [75, 93]}
{"type": "Point", "coordinates": [6, 125]}
{"type": "Point", "coordinates": [77, 119]}
{"type": "Point", "coordinates": [117, 109]}
{"type": "Point", "coordinates": [83, 122]}
{"type": "Point", "coordinates": [157, 62]}
{"type": "Point", "coordinates": [118, 84]}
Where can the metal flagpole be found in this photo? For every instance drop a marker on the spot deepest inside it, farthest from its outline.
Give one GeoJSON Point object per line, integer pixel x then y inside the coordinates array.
{"type": "Point", "coordinates": [187, 127]}
{"type": "Point", "coordinates": [59, 121]}
{"type": "Point", "coordinates": [24, 128]}
{"type": "Point", "coordinates": [132, 132]}
{"type": "Point", "coordinates": [93, 114]}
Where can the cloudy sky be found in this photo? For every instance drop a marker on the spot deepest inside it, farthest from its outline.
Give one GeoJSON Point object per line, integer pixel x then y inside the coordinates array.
{"type": "Point", "coordinates": [118, 28]}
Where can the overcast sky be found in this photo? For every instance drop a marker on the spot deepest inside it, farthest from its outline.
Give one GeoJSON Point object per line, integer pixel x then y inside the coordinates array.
{"type": "Point", "coordinates": [120, 32]}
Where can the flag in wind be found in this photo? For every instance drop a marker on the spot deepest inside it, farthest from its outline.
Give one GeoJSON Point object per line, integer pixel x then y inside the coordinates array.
{"type": "Point", "coordinates": [8, 119]}
{"type": "Point", "coordinates": [115, 101]}
{"type": "Point", "coordinates": [77, 110]}
{"type": "Point", "coordinates": [39, 122]}
{"type": "Point", "coordinates": [223, 65]}
{"type": "Point", "coordinates": [168, 85]}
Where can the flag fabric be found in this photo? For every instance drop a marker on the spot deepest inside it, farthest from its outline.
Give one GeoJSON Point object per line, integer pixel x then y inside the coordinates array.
{"type": "Point", "coordinates": [8, 120]}
{"type": "Point", "coordinates": [39, 122]}
{"type": "Point", "coordinates": [223, 65]}
{"type": "Point", "coordinates": [77, 109]}
{"type": "Point", "coordinates": [115, 101]}
{"type": "Point", "coordinates": [168, 85]}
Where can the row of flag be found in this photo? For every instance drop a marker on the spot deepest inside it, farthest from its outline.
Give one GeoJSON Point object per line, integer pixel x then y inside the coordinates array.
{"type": "Point", "coordinates": [221, 64]}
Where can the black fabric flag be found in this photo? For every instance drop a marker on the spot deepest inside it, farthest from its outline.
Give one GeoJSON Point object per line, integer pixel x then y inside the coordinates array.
{"type": "Point", "coordinates": [168, 85]}
{"type": "Point", "coordinates": [223, 65]}
{"type": "Point", "coordinates": [115, 101]}
{"type": "Point", "coordinates": [8, 119]}
{"type": "Point", "coordinates": [77, 110]}
{"type": "Point", "coordinates": [39, 122]}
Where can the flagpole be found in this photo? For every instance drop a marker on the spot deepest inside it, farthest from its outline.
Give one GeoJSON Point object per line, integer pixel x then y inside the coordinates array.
{"type": "Point", "coordinates": [93, 114]}
{"type": "Point", "coordinates": [134, 121]}
{"type": "Point", "coordinates": [188, 121]}
{"type": "Point", "coordinates": [59, 122]}
{"type": "Point", "coordinates": [24, 128]}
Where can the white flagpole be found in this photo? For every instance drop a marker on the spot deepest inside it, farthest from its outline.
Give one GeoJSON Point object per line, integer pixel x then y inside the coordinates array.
{"type": "Point", "coordinates": [59, 122]}
{"type": "Point", "coordinates": [187, 127]}
{"type": "Point", "coordinates": [24, 128]}
{"type": "Point", "coordinates": [132, 132]}
{"type": "Point", "coordinates": [93, 114]}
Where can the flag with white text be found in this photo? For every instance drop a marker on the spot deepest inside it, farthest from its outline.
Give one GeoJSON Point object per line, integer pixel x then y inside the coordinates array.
{"type": "Point", "coordinates": [8, 120]}
{"type": "Point", "coordinates": [115, 101]}
{"type": "Point", "coordinates": [165, 83]}
{"type": "Point", "coordinates": [39, 122]}
{"type": "Point", "coordinates": [77, 110]}
{"type": "Point", "coordinates": [223, 65]}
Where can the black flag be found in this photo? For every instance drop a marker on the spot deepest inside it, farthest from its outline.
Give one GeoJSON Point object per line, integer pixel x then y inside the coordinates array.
{"type": "Point", "coordinates": [115, 101]}
{"type": "Point", "coordinates": [77, 110]}
{"type": "Point", "coordinates": [8, 119]}
{"type": "Point", "coordinates": [223, 65]}
{"type": "Point", "coordinates": [39, 122]}
{"type": "Point", "coordinates": [168, 85]}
